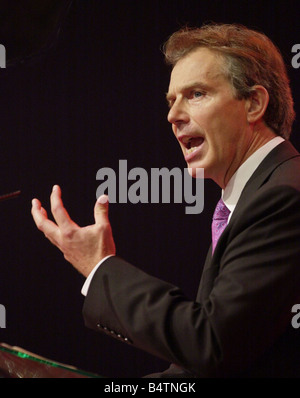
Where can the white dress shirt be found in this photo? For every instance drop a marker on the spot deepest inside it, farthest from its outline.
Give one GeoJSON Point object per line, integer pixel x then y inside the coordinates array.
{"type": "Point", "coordinates": [237, 182]}
{"type": "Point", "coordinates": [230, 194]}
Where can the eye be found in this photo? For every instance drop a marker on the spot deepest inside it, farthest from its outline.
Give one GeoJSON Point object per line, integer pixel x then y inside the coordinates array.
{"type": "Point", "coordinates": [197, 94]}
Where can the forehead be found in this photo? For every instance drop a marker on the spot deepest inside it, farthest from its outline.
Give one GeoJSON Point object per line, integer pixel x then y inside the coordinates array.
{"type": "Point", "coordinates": [201, 65]}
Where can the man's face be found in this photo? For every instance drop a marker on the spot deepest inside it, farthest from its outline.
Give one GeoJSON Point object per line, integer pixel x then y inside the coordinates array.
{"type": "Point", "coordinates": [209, 123]}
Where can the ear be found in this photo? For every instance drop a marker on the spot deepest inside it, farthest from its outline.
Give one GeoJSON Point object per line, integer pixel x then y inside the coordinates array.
{"type": "Point", "coordinates": [257, 104]}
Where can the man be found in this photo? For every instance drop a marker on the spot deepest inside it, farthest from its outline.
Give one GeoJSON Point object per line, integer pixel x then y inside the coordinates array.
{"type": "Point", "coordinates": [231, 110]}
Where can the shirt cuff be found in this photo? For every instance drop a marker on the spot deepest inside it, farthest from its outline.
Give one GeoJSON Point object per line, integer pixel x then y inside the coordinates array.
{"type": "Point", "coordinates": [85, 287]}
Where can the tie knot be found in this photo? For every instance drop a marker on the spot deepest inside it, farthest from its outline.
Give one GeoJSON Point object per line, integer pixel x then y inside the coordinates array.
{"type": "Point", "coordinates": [221, 211]}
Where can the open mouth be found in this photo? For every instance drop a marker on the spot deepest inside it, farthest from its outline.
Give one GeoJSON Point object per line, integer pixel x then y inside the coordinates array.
{"type": "Point", "coordinates": [193, 144]}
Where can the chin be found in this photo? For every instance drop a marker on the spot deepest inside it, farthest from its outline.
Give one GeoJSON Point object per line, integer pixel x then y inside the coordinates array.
{"type": "Point", "coordinates": [195, 172]}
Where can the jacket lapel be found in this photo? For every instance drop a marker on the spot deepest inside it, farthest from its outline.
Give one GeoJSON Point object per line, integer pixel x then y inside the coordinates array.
{"type": "Point", "coordinates": [277, 156]}
{"type": "Point", "coordinates": [274, 159]}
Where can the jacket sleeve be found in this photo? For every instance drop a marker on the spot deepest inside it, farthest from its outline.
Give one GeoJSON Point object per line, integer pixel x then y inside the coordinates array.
{"type": "Point", "coordinates": [256, 282]}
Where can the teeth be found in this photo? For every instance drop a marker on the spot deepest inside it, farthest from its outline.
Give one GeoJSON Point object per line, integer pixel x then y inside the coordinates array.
{"type": "Point", "coordinates": [191, 150]}
{"type": "Point", "coordinates": [192, 144]}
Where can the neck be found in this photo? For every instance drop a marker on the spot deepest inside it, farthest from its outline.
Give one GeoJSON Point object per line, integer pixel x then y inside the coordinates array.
{"type": "Point", "coordinates": [261, 135]}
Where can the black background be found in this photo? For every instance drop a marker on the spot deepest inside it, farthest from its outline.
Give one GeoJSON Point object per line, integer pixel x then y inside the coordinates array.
{"type": "Point", "coordinates": [95, 94]}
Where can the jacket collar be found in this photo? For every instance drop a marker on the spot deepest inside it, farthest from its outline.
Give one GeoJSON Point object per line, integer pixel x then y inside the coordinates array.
{"type": "Point", "coordinates": [275, 158]}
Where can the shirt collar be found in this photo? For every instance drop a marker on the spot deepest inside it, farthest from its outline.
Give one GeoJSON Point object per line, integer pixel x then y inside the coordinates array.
{"type": "Point", "coordinates": [236, 184]}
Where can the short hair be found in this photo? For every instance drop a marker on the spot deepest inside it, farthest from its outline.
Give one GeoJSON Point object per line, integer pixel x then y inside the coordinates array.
{"type": "Point", "coordinates": [251, 58]}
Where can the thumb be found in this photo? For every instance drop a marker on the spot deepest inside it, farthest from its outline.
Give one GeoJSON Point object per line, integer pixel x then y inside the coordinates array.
{"type": "Point", "coordinates": [101, 209]}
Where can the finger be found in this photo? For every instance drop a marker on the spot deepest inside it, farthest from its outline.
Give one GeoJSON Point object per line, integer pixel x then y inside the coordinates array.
{"type": "Point", "coordinates": [41, 220]}
{"type": "Point", "coordinates": [60, 214]}
{"type": "Point", "coordinates": [101, 210]}
{"type": "Point", "coordinates": [37, 213]}
{"type": "Point", "coordinates": [36, 204]}
{"type": "Point", "coordinates": [44, 212]}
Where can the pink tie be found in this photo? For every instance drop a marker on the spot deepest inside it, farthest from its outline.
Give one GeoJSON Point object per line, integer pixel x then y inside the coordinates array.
{"type": "Point", "coordinates": [219, 222]}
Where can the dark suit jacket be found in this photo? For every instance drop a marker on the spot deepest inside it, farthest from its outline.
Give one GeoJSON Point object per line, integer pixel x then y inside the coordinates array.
{"type": "Point", "coordinates": [240, 323]}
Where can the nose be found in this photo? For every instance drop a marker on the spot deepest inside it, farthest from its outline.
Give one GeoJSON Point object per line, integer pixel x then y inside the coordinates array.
{"type": "Point", "coordinates": [178, 114]}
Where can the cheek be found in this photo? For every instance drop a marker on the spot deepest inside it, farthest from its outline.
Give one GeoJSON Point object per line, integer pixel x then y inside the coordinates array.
{"type": "Point", "coordinates": [225, 127]}
{"type": "Point", "coordinates": [209, 118]}
{"type": "Point", "coordinates": [221, 140]}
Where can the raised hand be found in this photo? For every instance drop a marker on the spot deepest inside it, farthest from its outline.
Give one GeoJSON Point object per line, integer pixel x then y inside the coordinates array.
{"type": "Point", "coordinates": [83, 247]}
